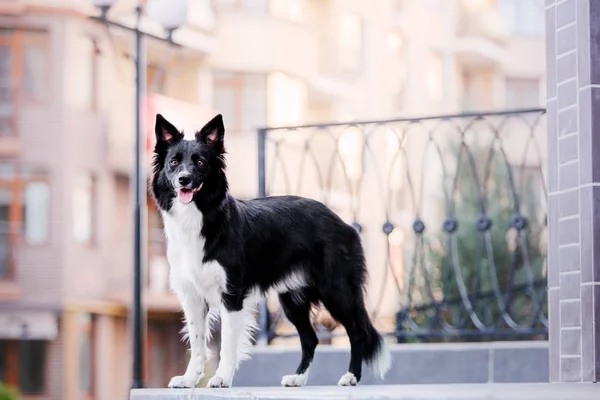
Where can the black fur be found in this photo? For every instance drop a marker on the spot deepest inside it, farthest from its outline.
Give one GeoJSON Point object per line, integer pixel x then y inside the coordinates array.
{"type": "Point", "coordinates": [259, 242]}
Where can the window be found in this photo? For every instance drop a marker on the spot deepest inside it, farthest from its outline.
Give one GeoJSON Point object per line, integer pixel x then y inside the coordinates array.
{"type": "Point", "coordinates": [36, 203]}
{"type": "Point", "coordinates": [395, 41]}
{"type": "Point", "coordinates": [244, 5]}
{"type": "Point", "coordinates": [286, 100]}
{"type": "Point", "coordinates": [398, 6]}
{"type": "Point", "coordinates": [436, 5]}
{"type": "Point", "coordinates": [522, 17]}
{"type": "Point", "coordinates": [34, 76]}
{"type": "Point", "coordinates": [158, 339]}
{"type": "Point", "coordinates": [86, 87]}
{"type": "Point", "coordinates": [23, 364]}
{"type": "Point", "coordinates": [86, 353]}
{"type": "Point", "coordinates": [522, 93]}
{"type": "Point", "coordinates": [156, 78]}
{"type": "Point", "coordinates": [7, 81]}
{"type": "Point", "coordinates": [350, 42]}
{"type": "Point", "coordinates": [288, 9]}
{"type": "Point", "coordinates": [24, 211]}
{"type": "Point", "coordinates": [5, 202]}
{"type": "Point", "coordinates": [23, 72]}
{"type": "Point", "coordinates": [242, 99]}
{"type": "Point", "coordinates": [434, 77]}
{"type": "Point", "coordinates": [83, 208]}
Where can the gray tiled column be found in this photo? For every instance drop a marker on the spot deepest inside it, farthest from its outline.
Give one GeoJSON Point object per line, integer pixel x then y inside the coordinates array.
{"type": "Point", "coordinates": [573, 87]}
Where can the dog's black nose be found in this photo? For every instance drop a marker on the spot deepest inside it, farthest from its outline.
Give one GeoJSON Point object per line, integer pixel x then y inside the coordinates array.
{"type": "Point", "coordinates": [185, 180]}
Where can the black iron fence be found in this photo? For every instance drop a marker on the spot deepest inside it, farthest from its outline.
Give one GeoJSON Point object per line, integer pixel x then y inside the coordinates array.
{"type": "Point", "coordinates": [452, 211]}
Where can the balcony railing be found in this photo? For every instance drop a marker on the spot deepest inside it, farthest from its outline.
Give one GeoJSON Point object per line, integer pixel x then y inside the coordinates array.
{"type": "Point", "coordinates": [452, 212]}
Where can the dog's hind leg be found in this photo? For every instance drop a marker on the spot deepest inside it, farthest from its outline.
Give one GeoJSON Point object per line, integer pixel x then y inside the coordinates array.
{"type": "Point", "coordinates": [296, 306]}
{"type": "Point", "coordinates": [365, 342]}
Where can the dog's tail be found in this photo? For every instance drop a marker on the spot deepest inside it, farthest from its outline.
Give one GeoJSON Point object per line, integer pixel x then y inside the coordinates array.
{"type": "Point", "coordinates": [375, 351]}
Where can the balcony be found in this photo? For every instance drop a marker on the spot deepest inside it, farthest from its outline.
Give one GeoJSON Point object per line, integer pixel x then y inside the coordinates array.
{"type": "Point", "coordinates": [480, 37]}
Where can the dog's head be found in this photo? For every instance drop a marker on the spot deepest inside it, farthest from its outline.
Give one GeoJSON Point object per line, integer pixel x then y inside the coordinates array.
{"type": "Point", "coordinates": [187, 165]}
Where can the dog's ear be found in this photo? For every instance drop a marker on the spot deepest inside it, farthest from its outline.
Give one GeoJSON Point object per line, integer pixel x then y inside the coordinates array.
{"type": "Point", "coordinates": [213, 133]}
{"type": "Point", "coordinates": [165, 132]}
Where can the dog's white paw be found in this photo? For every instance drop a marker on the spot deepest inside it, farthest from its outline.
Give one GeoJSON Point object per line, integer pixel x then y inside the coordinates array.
{"type": "Point", "coordinates": [183, 381]}
{"type": "Point", "coordinates": [217, 382]}
{"type": "Point", "coordinates": [294, 380]}
{"type": "Point", "coordinates": [348, 380]}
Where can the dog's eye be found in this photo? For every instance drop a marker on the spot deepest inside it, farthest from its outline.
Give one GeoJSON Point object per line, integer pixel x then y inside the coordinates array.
{"type": "Point", "coordinates": [200, 163]}
{"type": "Point", "coordinates": [174, 162]}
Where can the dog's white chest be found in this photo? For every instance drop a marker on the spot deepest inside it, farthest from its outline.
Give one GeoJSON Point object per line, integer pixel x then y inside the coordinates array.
{"type": "Point", "coordinates": [189, 274]}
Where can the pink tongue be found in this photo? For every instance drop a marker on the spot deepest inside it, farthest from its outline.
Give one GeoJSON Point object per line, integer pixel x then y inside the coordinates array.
{"type": "Point", "coordinates": [185, 196]}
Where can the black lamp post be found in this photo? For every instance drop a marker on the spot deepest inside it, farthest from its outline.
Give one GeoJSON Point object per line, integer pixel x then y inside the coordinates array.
{"type": "Point", "coordinates": [171, 14]}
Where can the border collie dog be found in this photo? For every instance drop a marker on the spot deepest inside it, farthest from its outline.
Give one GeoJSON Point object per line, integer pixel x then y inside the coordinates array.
{"type": "Point", "coordinates": [224, 254]}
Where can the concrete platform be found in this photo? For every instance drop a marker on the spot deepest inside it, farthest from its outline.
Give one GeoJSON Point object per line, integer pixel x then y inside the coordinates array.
{"type": "Point", "coordinates": [520, 391]}
{"type": "Point", "coordinates": [431, 364]}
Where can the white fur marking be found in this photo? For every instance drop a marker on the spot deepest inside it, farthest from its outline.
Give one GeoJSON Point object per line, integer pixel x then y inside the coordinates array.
{"type": "Point", "coordinates": [236, 341]}
{"type": "Point", "coordinates": [195, 283]}
{"type": "Point", "coordinates": [348, 379]}
{"type": "Point", "coordinates": [382, 361]}
{"type": "Point", "coordinates": [182, 382]}
{"type": "Point", "coordinates": [189, 275]}
{"type": "Point", "coordinates": [217, 382]}
{"type": "Point", "coordinates": [291, 282]}
{"type": "Point", "coordinates": [295, 380]}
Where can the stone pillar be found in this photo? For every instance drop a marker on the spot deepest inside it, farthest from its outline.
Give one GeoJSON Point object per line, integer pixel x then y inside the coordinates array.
{"type": "Point", "coordinates": [573, 103]}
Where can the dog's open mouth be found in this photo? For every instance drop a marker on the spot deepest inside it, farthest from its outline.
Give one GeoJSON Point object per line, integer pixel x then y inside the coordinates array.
{"type": "Point", "coordinates": [185, 196]}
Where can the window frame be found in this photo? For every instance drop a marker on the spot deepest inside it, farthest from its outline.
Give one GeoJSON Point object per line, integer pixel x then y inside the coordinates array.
{"type": "Point", "coordinates": [13, 361]}
{"type": "Point", "coordinates": [16, 40]}
{"type": "Point", "coordinates": [238, 6]}
{"type": "Point", "coordinates": [513, 12]}
{"type": "Point", "coordinates": [87, 327]}
{"type": "Point", "coordinates": [93, 102]}
{"type": "Point", "coordinates": [11, 41]}
{"type": "Point", "coordinates": [44, 97]}
{"type": "Point", "coordinates": [509, 81]}
{"type": "Point", "coordinates": [344, 45]}
{"type": "Point", "coordinates": [16, 222]}
{"type": "Point", "coordinates": [91, 240]}
{"type": "Point", "coordinates": [156, 78]}
{"type": "Point", "coordinates": [237, 81]}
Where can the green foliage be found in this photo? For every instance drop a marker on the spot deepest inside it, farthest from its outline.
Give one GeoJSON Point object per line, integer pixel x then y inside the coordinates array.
{"type": "Point", "coordinates": [8, 393]}
{"type": "Point", "coordinates": [501, 260]}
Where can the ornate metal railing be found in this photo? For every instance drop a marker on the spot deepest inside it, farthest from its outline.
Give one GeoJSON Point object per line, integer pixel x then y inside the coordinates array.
{"type": "Point", "coordinates": [451, 209]}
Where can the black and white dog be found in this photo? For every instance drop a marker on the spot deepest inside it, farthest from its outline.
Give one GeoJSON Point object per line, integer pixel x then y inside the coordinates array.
{"type": "Point", "coordinates": [225, 254]}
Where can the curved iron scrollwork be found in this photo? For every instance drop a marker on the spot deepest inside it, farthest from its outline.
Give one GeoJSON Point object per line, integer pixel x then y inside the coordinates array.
{"type": "Point", "coordinates": [451, 209]}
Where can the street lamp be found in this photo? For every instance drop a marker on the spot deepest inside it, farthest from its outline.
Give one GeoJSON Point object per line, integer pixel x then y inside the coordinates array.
{"type": "Point", "coordinates": [171, 14]}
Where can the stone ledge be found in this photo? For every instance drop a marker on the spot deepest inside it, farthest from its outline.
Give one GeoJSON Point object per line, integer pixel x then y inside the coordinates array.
{"type": "Point", "coordinates": [439, 363]}
{"type": "Point", "coordinates": [522, 391]}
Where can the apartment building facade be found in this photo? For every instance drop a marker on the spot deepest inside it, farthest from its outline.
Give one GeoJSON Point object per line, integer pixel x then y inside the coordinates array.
{"type": "Point", "coordinates": [66, 143]}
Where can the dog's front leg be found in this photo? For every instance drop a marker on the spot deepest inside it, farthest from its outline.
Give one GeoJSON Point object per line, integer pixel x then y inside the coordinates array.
{"type": "Point", "coordinates": [236, 341]}
{"type": "Point", "coordinates": [196, 312]}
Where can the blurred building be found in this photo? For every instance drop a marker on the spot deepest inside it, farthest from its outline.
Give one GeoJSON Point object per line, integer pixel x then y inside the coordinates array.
{"type": "Point", "coordinates": [66, 142]}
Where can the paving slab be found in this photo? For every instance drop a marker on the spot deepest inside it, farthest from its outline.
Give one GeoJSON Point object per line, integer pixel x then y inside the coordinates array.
{"type": "Point", "coordinates": [519, 391]}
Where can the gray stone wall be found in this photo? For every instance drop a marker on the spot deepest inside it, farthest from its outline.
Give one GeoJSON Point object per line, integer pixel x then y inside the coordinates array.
{"type": "Point", "coordinates": [573, 103]}
{"type": "Point", "coordinates": [500, 362]}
